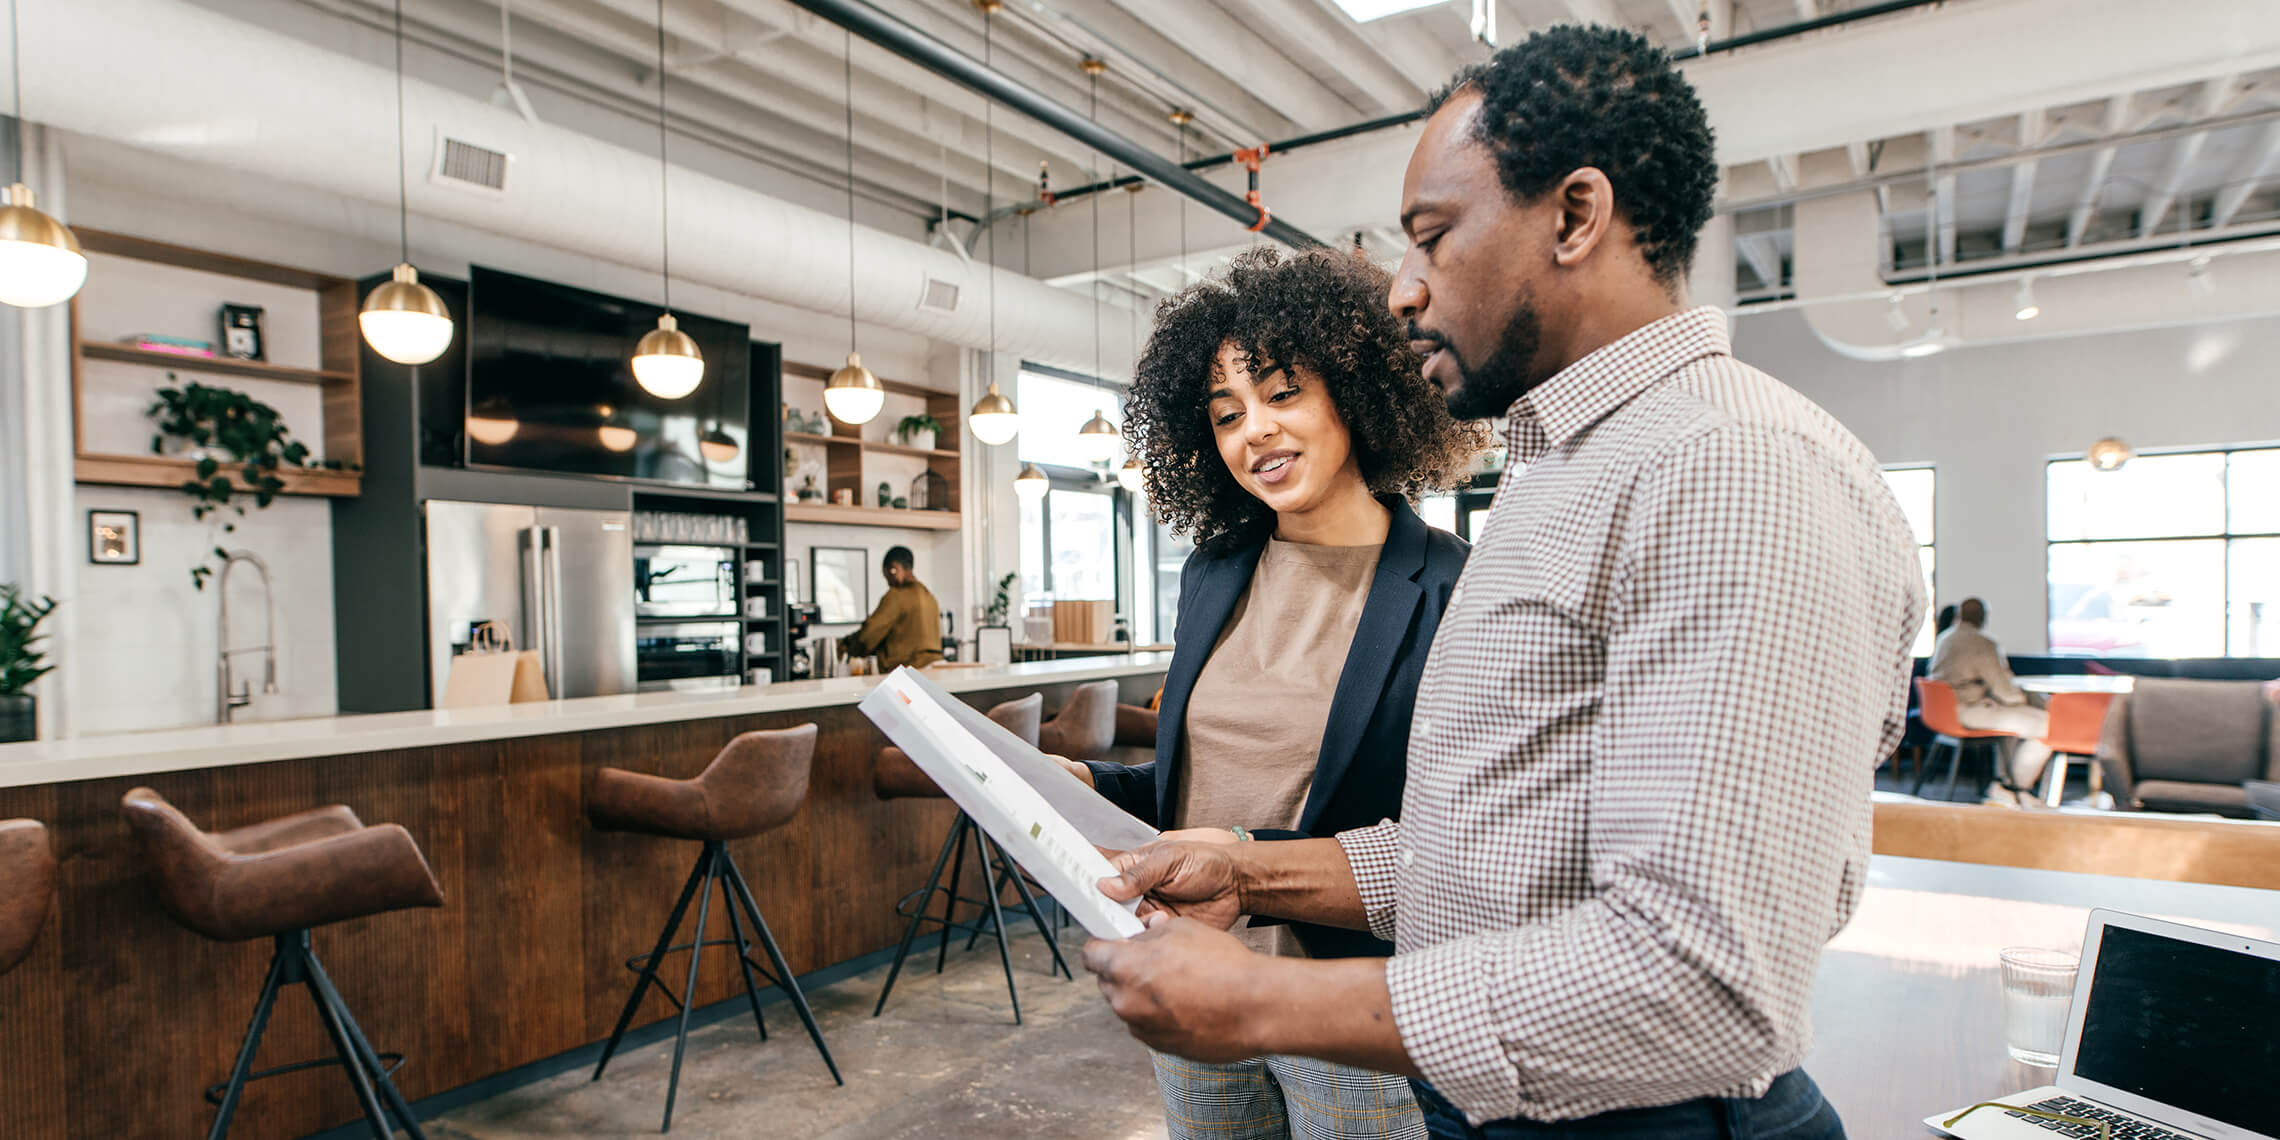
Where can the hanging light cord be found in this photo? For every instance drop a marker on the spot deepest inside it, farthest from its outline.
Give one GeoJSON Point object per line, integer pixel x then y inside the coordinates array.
{"type": "Point", "coordinates": [664, 190]}
{"type": "Point", "coordinates": [989, 195]}
{"type": "Point", "coordinates": [1092, 112]}
{"type": "Point", "coordinates": [16, 77]}
{"type": "Point", "coordinates": [403, 182]}
{"type": "Point", "coordinates": [847, 58]}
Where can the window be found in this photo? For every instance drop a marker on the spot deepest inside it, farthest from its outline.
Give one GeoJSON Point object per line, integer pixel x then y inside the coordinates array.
{"type": "Point", "coordinates": [1053, 408]}
{"type": "Point", "coordinates": [1914, 487]}
{"type": "Point", "coordinates": [2171, 556]}
{"type": "Point", "coordinates": [1077, 541]}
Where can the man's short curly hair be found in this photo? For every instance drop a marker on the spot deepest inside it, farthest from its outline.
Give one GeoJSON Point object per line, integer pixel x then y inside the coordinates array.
{"type": "Point", "coordinates": [1322, 310]}
{"type": "Point", "coordinates": [1577, 95]}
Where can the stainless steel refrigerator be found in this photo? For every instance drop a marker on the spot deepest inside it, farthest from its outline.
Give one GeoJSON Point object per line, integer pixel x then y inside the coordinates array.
{"type": "Point", "coordinates": [553, 580]}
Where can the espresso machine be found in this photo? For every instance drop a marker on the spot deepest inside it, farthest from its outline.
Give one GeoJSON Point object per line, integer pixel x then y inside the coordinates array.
{"type": "Point", "coordinates": [797, 618]}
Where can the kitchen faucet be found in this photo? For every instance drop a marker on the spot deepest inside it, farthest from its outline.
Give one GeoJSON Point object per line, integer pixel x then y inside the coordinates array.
{"type": "Point", "coordinates": [226, 702]}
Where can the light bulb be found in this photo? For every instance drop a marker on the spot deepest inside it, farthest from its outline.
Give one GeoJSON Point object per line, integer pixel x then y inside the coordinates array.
{"type": "Point", "coordinates": [718, 446]}
{"type": "Point", "coordinates": [404, 320]}
{"type": "Point", "coordinates": [1031, 484]}
{"type": "Point", "coordinates": [40, 261]}
{"type": "Point", "coordinates": [491, 422]}
{"type": "Point", "coordinates": [1098, 439]}
{"type": "Point", "coordinates": [2109, 454]}
{"type": "Point", "coordinates": [666, 362]}
{"type": "Point", "coordinates": [993, 419]}
{"type": "Point", "coordinates": [2025, 300]}
{"type": "Point", "coordinates": [1131, 475]}
{"type": "Point", "coordinates": [617, 438]}
{"type": "Point", "coordinates": [853, 394]}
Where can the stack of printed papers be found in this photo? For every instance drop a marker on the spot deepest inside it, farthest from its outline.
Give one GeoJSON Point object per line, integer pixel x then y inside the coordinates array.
{"type": "Point", "coordinates": [1040, 816]}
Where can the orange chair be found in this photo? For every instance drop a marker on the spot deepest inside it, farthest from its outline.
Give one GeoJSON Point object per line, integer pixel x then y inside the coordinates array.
{"type": "Point", "coordinates": [1939, 713]}
{"type": "Point", "coordinates": [2075, 722]}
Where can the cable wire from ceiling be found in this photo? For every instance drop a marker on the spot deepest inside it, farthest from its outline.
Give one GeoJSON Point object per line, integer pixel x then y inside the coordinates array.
{"type": "Point", "coordinates": [989, 194]}
{"type": "Point", "coordinates": [403, 183]}
{"type": "Point", "coordinates": [1092, 111]}
{"type": "Point", "coordinates": [847, 67]}
{"type": "Point", "coordinates": [664, 167]}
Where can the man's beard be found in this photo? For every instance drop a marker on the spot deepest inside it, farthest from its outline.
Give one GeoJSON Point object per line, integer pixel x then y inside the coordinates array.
{"type": "Point", "coordinates": [1489, 390]}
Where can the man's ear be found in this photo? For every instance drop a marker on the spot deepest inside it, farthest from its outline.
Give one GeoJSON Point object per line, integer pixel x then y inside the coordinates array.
{"type": "Point", "coordinates": [1586, 202]}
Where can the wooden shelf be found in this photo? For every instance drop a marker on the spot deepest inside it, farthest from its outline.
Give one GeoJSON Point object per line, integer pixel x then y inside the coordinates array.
{"type": "Point", "coordinates": [871, 516]}
{"type": "Point", "coordinates": [878, 447]}
{"type": "Point", "coordinates": [226, 365]}
{"type": "Point", "coordinates": [161, 471]}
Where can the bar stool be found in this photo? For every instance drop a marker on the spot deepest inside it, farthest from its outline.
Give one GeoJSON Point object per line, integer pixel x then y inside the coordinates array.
{"type": "Point", "coordinates": [896, 777]}
{"type": "Point", "coordinates": [27, 884]}
{"type": "Point", "coordinates": [1085, 728]}
{"type": "Point", "coordinates": [280, 879]}
{"type": "Point", "coordinates": [755, 784]}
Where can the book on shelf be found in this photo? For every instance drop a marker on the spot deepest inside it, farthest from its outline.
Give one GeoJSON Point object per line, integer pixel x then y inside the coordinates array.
{"type": "Point", "coordinates": [172, 345]}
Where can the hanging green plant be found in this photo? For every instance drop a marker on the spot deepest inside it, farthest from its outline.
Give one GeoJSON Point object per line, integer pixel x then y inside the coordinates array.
{"type": "Point", "coordinates": [223, 425]}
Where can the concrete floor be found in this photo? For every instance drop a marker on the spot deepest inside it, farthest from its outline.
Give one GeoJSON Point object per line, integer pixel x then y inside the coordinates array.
{"type": "Point", "coordinates": [944, 1060]}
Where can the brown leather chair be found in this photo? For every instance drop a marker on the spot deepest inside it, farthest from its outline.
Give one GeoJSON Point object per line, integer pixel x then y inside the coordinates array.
{"type": "Point", "coordinates": [27, 887]}
{"type": "Point", "coordinates": [755, 784]}
{"type": "Point", "coordinates": [895, 776]}
{"type": "Point", "coordinates": [279, 879]}
{"type": "Point", "coordinates": [1086, 725]}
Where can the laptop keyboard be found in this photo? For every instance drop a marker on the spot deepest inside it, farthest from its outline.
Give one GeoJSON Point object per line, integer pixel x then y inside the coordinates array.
{"type": "Point", "coordinates": [2122, 1126]}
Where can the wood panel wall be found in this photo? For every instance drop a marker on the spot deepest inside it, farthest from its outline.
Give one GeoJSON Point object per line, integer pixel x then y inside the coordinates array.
{"type": "Point", "coordinates": [120, 1018]}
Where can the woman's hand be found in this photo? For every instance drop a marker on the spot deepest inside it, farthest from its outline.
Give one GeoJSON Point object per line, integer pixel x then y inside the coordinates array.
{"type": "Point", "coordinates": [1073, 768]}
{"type": "Point", "coordinates": [1200, 835]}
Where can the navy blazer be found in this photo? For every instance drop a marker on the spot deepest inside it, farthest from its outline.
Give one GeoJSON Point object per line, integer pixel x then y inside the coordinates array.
{"type": "Point", "coordinates": [1364, 759]}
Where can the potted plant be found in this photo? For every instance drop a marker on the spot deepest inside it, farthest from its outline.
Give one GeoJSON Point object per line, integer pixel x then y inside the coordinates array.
{"type": "Point", "coordinates": [20, 665]}
{"type": "Point", "coordinates": [918, 431]}
{"type": "Point", "coordinates": [995, 613]}
{"type": "Point", "coordinates": [215, 425]}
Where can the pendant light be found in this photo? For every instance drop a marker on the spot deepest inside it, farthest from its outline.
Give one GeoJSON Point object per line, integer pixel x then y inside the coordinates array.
{"type": "Point", "coordinates": [1031, 484]}
{"type": "Point", "coordinates": [40, 261]}
{"type": "Point", "coordinates": [2109, 454]}
{"type": "Point", "coordinates": [492, 422]}
{"type": "Point", "coordinates": [993, 418]}
{"type": "Point", "coordinates": [1130, 475]}
{"type": "Point", "coordinates": [852, 395]}
{"type": "Point", "coordinates": [1097, 440]}
{"type": "Point", "coordinates": [613, 433]}
{"type": "Point", "coordinates": [666, 362]}
{"type": "Point", "coordinates": [402, 319]}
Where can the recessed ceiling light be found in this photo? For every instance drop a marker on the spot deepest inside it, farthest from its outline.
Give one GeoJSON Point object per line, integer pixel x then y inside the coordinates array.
{"type": "Point", "coordinates": [1363, 11]}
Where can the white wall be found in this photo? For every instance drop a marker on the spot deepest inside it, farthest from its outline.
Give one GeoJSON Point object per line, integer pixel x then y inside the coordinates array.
{"type": "Point", "coordinates": [1988, 418]}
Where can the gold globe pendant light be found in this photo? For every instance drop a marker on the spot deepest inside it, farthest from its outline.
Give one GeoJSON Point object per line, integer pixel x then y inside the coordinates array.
{"type": "Point", "coordinates": [1098, 439]}
{"type": "Point", "coordinates": [2109, 454]}
{"type": "Point", "coordinates": [492, 422]}
{"type": "Point", "coordinates": [612, 432]}
{"type": "Point", "coordinates": [402, 319]}
{"type": "Point", "coordinates": [718, 446]}
{"type": "Point", "coordinates": [1031, 484]}
{"type": "Point", "coordinates": [1131, 475]}
{"type": "Point", "coordinates": [993, 417]}
{"type": "Point", "coordinates": [666, 362]}
{"type": "Point", "coordinates": [853, 394]}
{"type": "Point", "coordinates": [40, 260]}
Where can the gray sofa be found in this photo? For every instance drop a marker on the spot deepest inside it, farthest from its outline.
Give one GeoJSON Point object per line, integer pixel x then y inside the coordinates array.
{"type": "Point", "coordinates": [2189, 746]}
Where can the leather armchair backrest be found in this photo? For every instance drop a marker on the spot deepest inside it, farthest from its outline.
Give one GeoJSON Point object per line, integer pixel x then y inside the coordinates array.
{"type": "Point", "coordinates": [27, 887]}
{"type": "Point", "coordinates": [759, 780]}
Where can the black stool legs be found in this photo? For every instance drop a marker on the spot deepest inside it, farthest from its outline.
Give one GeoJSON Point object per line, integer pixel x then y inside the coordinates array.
{"type": "Point", "coordinates": [921, 901]}
{"type": "Point", "coordinates": [296, 963]}
{"type": "Point", "coordinates": [714, 865]}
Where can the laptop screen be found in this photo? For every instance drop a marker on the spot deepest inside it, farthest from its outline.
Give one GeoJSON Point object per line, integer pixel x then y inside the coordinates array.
{"type": "Point", "coordinates": [2188, 1025]}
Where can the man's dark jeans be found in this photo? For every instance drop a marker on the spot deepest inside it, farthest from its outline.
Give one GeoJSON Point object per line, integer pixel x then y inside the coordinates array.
{"type": "Point", "coordinates": [1793, 1109]}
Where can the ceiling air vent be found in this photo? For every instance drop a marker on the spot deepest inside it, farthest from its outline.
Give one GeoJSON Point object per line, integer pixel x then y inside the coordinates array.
{"type": "Point", "coordinates": [938, 296]}
{"type": "Point", "coordinates": [466, 166]}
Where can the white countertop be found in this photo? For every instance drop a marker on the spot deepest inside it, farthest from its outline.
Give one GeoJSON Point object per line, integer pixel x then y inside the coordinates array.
{"type": "Point", "coordinates": [259, 742]}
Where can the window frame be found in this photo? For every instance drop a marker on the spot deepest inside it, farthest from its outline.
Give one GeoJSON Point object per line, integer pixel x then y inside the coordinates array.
{"type": "Point", "coordinates": [1933, 584]}
{"type": "Point", "coordinates": [2225, 535]}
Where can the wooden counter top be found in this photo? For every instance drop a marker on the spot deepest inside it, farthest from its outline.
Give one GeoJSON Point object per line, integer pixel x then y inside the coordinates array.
{"type": "Point", "coordinates": [261, 742]}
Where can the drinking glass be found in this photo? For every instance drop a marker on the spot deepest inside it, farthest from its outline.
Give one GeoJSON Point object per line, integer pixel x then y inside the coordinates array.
{"type": "Point", "coordinates": [2038, 990]}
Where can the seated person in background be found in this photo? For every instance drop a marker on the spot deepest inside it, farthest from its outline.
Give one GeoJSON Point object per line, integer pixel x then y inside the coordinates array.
{"type": "Point", "coordinates": [906, 626]}
{"type": "Point", "coordinates": [1945, 619]}
{"type": "Point", "coordinates": [1284, 421]}
{"type": "Point", "coordinates": [1965, 658]}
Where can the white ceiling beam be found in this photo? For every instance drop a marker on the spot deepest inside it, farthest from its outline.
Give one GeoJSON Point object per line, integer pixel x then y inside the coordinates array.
{"type": "Point", "coordinates": [1331, 38]}
{"type": "Point", "coordinates": [1226, 113]}
{"type": "Point", "coordinates": [1585, 12]}
{"type": "Point", "coordinates": [1222, 43]}
{"type": "Point", "coordinates": [2094, 179]}
{"type": "Point", "coordinates": [1422, 58]}
{"type": "Point", "coordinates": [1808, 10]}
{"type": "Point", "coordinates": [2032, 128]}
{"type": "Point", "coordinates": [2260, 162]}
{"type": "Point", "coordinates": [1784, 170]}
{"type": "Point", "coordinates": [1764, 256]}
{"type": "Point", "coordinates": [2214, 96]}
{"type": "Point", "coordinates": [1943, 154]}
{"type": "Point", "coordinates": [1857, 154]}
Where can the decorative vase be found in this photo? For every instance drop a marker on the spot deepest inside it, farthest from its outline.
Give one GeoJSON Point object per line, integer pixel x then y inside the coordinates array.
{"type": "Point", "coordinates": [922, 439]}
{"type": "Point", "coordinates": [19, 717]}
{"type": "Point", "coordinates": [886, 494]}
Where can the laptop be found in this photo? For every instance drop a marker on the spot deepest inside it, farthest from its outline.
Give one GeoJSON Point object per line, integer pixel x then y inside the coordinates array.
{"type": "Point", "coordinates": [2174, 1034]}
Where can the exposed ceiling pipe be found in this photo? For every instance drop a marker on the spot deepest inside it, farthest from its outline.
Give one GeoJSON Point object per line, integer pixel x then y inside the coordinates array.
{"type": "Point", "coordinates": [908, 42]}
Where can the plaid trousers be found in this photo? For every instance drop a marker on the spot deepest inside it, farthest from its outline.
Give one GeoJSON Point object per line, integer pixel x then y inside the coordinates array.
{"type": "Point", "coordinates": [1270, 1098]}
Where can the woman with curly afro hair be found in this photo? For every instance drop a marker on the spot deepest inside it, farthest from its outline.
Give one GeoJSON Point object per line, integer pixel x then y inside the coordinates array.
{"type": "Point", "coordinates": [1283, 422]}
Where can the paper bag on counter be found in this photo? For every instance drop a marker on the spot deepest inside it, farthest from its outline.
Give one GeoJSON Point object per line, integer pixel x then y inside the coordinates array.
{"type": "Point", "coordinates": [491, 672]}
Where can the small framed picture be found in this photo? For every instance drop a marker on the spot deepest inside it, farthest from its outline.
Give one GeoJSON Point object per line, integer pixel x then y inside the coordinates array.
{"type": "Point", "coordinates": [114, 538]}
{"type": "Point", "coordinates": [242, 332]}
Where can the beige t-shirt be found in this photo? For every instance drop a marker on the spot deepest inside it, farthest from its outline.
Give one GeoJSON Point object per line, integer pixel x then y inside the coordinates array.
{"type": "Point", "coordinates": [1255, 720]}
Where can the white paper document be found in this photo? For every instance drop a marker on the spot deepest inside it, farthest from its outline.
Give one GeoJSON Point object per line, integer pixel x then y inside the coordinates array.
{"type": "Point", "coordinates": [976, 765]}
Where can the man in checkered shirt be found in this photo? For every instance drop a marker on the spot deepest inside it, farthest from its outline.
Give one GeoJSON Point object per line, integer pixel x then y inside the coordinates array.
{"type": "Point", "coordinates": [1637, 803]}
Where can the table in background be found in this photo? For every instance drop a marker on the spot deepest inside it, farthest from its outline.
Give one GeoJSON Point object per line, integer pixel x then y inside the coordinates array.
{"type": "Point", "coordinates": [1908, 1008]}
{"type": "Point", "coordinates": [2076, 683]}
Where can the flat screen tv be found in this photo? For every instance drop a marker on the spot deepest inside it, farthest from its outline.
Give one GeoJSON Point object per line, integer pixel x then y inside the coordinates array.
{"type": "Point", "coordinates": [550, 387]}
